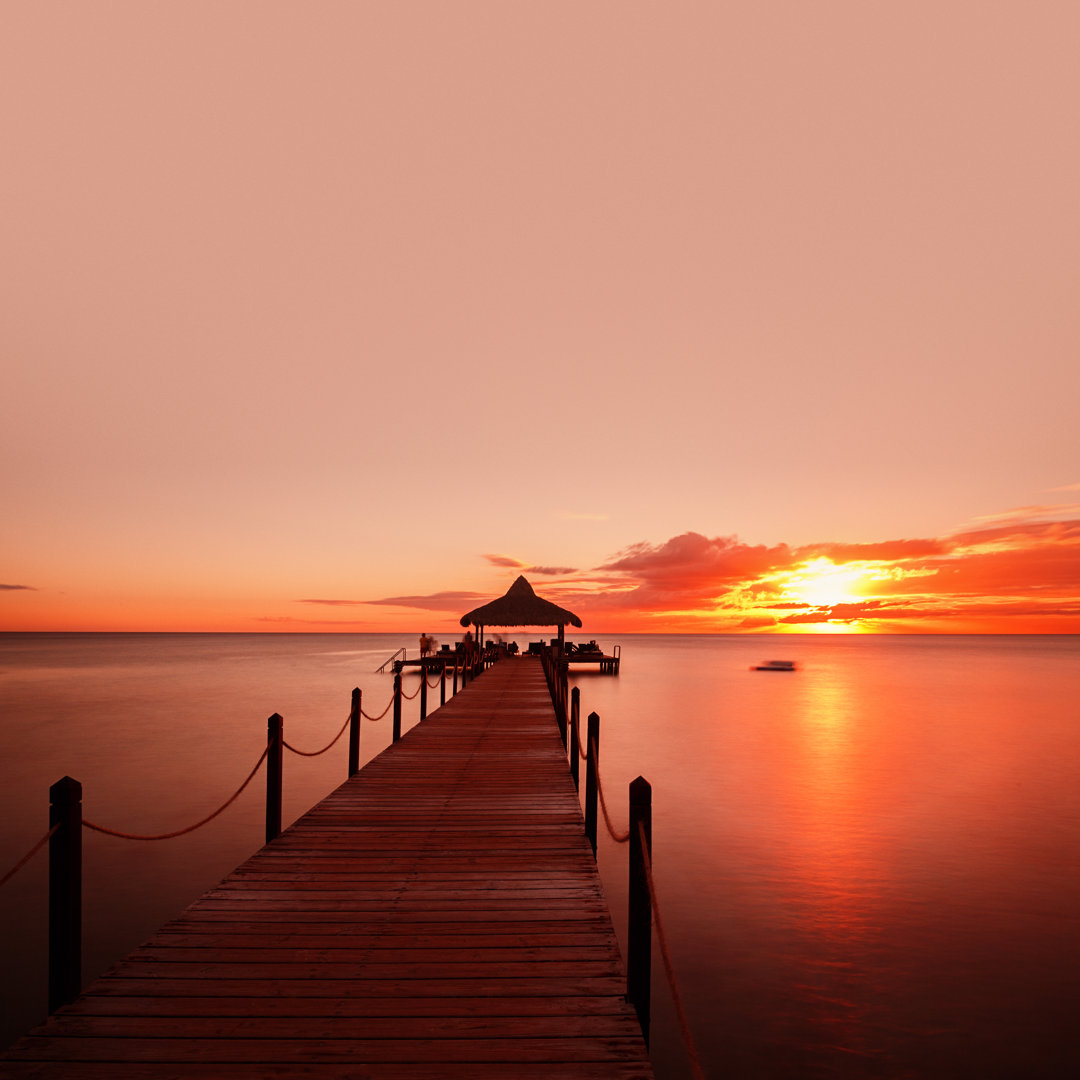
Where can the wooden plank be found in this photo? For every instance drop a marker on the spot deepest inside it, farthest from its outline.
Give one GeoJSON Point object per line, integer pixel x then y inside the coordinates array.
{"type": "Point", "coordinates": [579, 985]}
{"type": "Point", "coordinates": [438, 915]}
{"type": "Point", "coordinates": [567, 1007]}
{"type": "Point", "coordinates": [473, 1070]}
{"type": "Point", "coordinates": [345, 1027]}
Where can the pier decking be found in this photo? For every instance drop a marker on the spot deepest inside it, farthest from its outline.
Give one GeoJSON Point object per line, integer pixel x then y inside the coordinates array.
{"type": "Point", "coordinates": [437, 916]}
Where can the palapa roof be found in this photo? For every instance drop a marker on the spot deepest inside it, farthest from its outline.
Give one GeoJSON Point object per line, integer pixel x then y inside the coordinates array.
{"type": "Point", "coordinates": [520, 606]}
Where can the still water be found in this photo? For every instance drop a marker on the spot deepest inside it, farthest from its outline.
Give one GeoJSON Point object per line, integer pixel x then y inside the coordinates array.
{"type": "Point", "coordinates": [866, 868]}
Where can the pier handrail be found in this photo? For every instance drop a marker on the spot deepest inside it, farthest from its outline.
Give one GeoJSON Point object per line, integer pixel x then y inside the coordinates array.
{"type": "Point", "coordinates": [618, 837]}
{"type": "Point", "coordinates": [643, 913]}
{"type": "Point", "coordinates": [28, 856]}
{"type": "Point", "coordinates": [665, 954]}
{"type": "Point", "coordinates": [316, 753]}
{"type": "Point", "coordinates": [404, 656]}
{"type": "Point", "coordinates": [67, 823]}
{"type": "Point", "coordinates": [190, 828]}
{"type": "Point", "coordinates": [374, 719]}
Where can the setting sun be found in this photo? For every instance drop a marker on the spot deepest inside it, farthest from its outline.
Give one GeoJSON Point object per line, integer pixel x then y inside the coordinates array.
{"type": "Point", "coordinates": [821, 583]}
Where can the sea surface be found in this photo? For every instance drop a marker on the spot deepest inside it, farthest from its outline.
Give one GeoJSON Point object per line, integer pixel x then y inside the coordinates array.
{"type": "Point", "coordinates": [869, 867]}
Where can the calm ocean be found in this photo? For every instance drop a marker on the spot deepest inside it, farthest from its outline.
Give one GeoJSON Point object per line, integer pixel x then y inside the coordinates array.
{"type": "Point", "coordinates": [867, 868]}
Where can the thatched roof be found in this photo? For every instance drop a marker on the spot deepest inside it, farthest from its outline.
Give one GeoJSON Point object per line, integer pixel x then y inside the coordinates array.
{"type": "Point", "coordinates": [520, 607]}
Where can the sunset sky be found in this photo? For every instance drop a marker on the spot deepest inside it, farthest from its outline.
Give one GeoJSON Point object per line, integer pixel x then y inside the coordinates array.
{"type": "Point", "coordinates": [703, 316]}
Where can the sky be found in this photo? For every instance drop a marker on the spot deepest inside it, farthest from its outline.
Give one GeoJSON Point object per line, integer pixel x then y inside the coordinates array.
{"type": "Point", "coordinates": [703, 316]}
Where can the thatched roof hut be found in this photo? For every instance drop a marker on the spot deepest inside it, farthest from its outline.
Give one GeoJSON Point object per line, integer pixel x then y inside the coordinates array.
{"type": "Point", "coordinates": [520, 606]}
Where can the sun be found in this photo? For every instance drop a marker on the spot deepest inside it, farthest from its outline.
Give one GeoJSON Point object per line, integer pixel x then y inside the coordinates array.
{"type": "Point", "coordinates": [821, 583]}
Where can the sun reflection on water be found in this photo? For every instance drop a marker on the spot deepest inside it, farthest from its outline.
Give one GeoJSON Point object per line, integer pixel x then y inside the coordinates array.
{"type": "Point", "coordinates": [829, 865]}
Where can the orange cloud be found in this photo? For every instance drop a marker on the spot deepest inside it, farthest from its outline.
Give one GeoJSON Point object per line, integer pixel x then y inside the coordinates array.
{"type": "Point", "coordinates": [1015, 575]}
{"type": "Point", "coordinates": [505, 560]}
{"type": "Point", "coordinates": [689, 571]}
{"type": "Point", "coordinates": [1011, 574]}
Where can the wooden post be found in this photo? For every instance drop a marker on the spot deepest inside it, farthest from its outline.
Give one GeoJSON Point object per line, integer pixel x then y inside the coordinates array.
{"type": "Point", "coordinates": [575, 721]}
{"type": "Point", "coordinates": [455, 674]}
{"type": "Point", "coordinates": [591, 769]}
{"type": "Point", "coordinates": [274, 739]}
{"type": "Point", "coordinates": [354, 733]}
{"type": "Point", "coordinates": [564, 697]}
{"type": "Point", "coordinates": [423, 691]}
{"type": "Point", "coordinates": [442, 684]}
{"type": "Point", "coordinates": [397, 707]}
{"type": "Point", "coordinates": [65, 892]}
{"type": "Point", "coordinates": [639, 904]}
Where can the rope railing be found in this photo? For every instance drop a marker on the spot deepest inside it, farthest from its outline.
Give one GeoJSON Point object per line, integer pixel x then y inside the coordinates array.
{"type": "Point", "coordinates": [374, 719]}
{"type": "Point", "coordinates": [316, 753]}
{"type": "Point", "coordinates": [191, 828]}
{"type": "Point", "coordinates": [644, 906]}
{"type": "Point", "coordinates": [582, 753]}
{"type": "Point", "coordinates": [409, 697]}
{"type": "Point", "coordinates": [28, 856]}
{"type": "Point", "coordinates": [669, 969]}
{"type": "Point", "coordinates": [68, 824]}
{"type": "Point", "coordinates": [619, 838]}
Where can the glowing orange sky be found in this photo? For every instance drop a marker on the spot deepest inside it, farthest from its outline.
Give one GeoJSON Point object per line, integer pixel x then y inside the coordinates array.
{"type": "Point", "coordinates": [312, 307]}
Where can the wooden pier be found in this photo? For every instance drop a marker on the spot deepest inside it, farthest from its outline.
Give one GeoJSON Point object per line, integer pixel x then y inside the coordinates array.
{"type": "Point", "coordinates": [438, 916]}
{"type": "Point", "coordinates": [607, 663]}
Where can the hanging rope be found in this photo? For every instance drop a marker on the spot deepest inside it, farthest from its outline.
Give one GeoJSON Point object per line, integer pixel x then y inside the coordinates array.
{"type": "Point", "coordinates": [191, 828]}
{"type": "Point", "coordinates": [409, 697]}
{"type": "Point", "coordinates": [661, 938]}
{"type": "Point", "coordinates": [29, 855]}
{"type": "Point", "coordinates": [580, 748]}
{"type": "Point", "coordinates": [373, 719]}
{"type": "Point", "coordinates": [316, 753]}
{"type": "Point", "coordinates": [619, 838]}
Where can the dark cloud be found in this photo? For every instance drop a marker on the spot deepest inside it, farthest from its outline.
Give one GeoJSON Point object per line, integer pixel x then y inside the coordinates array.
{"type": "Point", "coordinates": [459, 602]}
{"type": "Point", "coordinates": [17, 588]}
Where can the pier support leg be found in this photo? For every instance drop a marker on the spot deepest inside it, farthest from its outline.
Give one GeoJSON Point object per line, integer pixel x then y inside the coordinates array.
{"type": "Point", "coordinates": [65, 892]}
{"type": "Point", "coordinates": [274, 740]}
{"type": "Point", "coordinates": [591, 769]}
{"type": "Point", "coordinates": [639, 904]}
{"type": "Point", "coordinates": [354, 733]}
